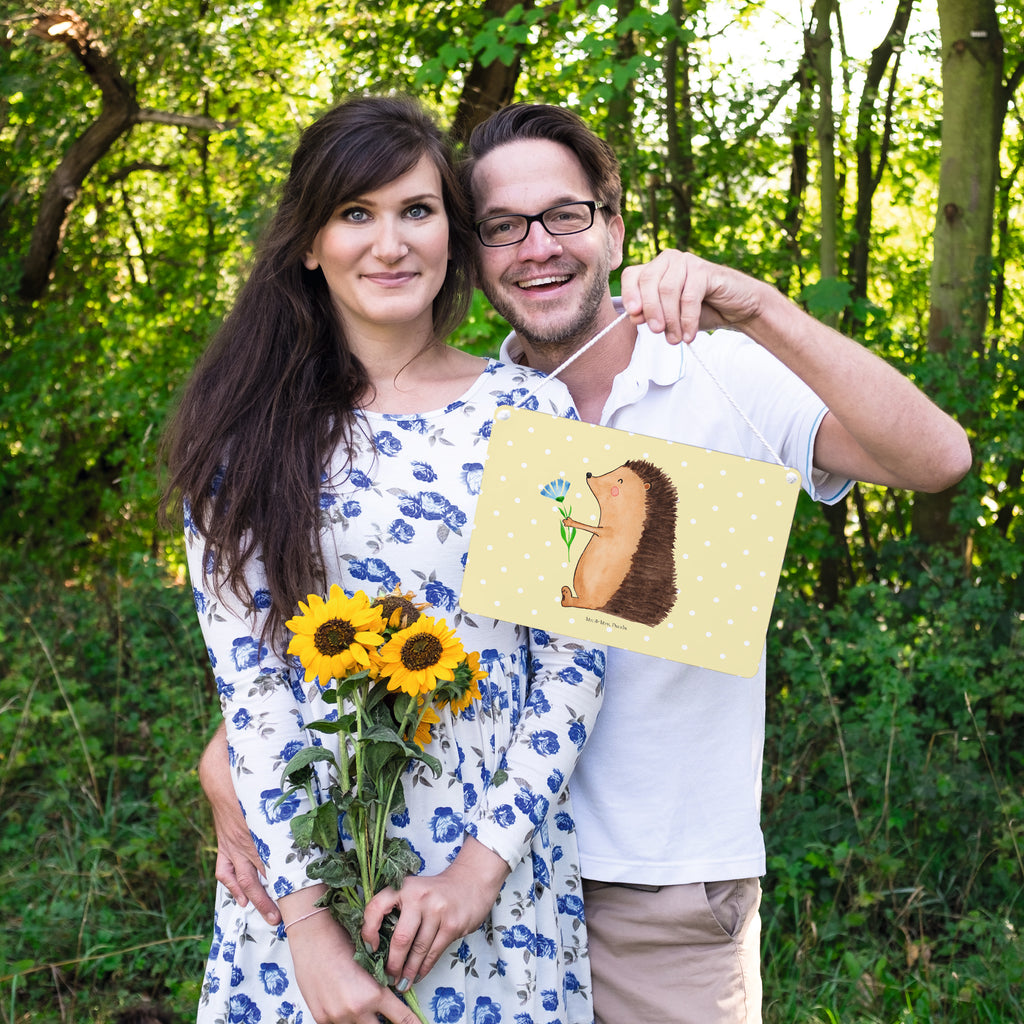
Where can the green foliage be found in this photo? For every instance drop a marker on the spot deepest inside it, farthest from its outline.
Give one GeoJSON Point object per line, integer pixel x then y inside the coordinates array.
{"type": "Point", "coordinates": [893, 800]}
{"type": "Point", "coordinates": [107, 867]}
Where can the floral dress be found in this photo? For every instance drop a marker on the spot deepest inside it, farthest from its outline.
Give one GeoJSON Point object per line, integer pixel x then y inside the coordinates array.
{"type": "Point", "coordinates": [401, 516]}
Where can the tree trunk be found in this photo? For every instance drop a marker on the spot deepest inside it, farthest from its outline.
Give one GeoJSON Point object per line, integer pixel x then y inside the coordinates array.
{"type": "Point", "coordinates": [117, 115]}
{"type": "Point", "coordinates": [619, 130]}
{"type": "Point", "coordinates": [487, 89]}
{"type": "Point", "coordinates": [819, 55]}
{"type": "Point", "coordinates": [679, 132]}
{"type": "Point", "coordinates": [973, 105]}
{"type": "Point", "coordinates": [869, 171]}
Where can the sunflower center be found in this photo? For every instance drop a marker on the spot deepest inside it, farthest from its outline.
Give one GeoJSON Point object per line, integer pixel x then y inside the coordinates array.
{"type": "Point", "coordinates": [334, 636]}
{"type": "Point", "coordinates": [391, 603]}
{"type": "Point", "coordinates": [421, 651]}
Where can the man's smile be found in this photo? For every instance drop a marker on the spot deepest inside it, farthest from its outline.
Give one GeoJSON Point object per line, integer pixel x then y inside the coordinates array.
{"type": "Point", "coordinates": [540, 282]}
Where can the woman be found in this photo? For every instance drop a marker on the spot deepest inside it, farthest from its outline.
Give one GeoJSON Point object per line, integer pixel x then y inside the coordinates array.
{"type": "Point", "coordinates": [329, 435]}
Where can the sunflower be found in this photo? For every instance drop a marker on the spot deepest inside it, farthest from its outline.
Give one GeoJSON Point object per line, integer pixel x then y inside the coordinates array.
{"type": "Point", "coordinates": [417, 657]}
{"type": "Point", "coordinates": [472, 692]}
{"type": "Point", "coordinates": [423, 734]}
{"type": "Point", "coordinates": [332, 636]}
{"type": "Point", "coordinates": [399, 609]}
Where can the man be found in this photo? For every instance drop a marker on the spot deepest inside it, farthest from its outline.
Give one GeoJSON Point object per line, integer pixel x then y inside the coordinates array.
{"type": "Point", "coordinates": [667, 792]}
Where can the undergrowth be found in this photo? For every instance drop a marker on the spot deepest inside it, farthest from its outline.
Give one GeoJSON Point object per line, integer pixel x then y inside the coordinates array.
{"type": "Point", "coordinates": [893, 798]}
{"type": "Point", "coordinates": [106, 878]}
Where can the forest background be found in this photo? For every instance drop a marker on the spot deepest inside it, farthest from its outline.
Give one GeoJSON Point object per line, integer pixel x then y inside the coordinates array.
{"type": "Point", "coordinates": [866, 158]}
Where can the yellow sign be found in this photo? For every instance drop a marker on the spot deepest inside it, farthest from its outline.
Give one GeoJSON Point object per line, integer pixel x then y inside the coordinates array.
{"type": "Point", "coordinates": [628, 540]}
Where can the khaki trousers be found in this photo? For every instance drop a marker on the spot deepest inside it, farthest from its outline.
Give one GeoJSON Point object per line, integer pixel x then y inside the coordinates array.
{"type": "Point", "coordinates": [675, 954]}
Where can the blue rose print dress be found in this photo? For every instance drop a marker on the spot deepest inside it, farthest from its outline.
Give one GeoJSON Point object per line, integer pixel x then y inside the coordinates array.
{"type": "Point", "coordinates": [402, 515]}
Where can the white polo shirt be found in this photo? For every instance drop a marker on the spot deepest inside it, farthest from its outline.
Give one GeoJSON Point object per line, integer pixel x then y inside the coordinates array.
{"type": "Point", "coordinates": [668, 789]}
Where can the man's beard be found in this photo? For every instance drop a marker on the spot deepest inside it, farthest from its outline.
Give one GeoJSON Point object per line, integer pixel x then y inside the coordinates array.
{"type": "Point", "coordinates": [569, 335]}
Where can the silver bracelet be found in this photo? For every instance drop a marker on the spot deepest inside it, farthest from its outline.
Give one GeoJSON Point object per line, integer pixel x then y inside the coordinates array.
{"type": "Point", "coordinates": [312, 913]}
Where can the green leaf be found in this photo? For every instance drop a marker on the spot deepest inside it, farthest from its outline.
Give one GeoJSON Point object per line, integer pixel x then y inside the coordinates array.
{"type": "Point", "coordinates": [299, 769]}
{"type": "Point", "coordinates": [339, 869]}
{"type": "Point", "coordinates": [325, 826]}
{"type": "Point", "coordinates": [329, 727]}
{"type": "Point", "coordinates": [381, 757]}
{"type": "Point", "coordinates": [303, 826]}
{"type": "Point", "coordinates": [429, 760]}
{"type": "Point", "coordinates": [398, 861]}
{"type": "Point", "coordinates": [827, 298]}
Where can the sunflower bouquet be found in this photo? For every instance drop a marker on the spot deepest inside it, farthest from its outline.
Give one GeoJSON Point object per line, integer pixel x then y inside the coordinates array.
{"type": "Point", "coordinates": [390, 669]}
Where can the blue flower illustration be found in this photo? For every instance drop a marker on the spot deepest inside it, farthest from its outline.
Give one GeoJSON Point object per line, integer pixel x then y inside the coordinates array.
{"type": "Point", "coordinates": [387, 444]}
{"type": "Point", "coordinates": [274, 978]}
{"type": "Point", "coordinates": [273, 811]}
{"type": "Point", "coordinates": [440, 596]}
{"type": "Point", "coordinates": [564, 822]}
{"type": "Point", "coordinates": [588, 660]}
{"type": "Point", "coordinates": [545, 742]}
{"type": "Point", "coordinates": [242, 1010]}
{"type": "Point", "coordinates": [448, 1005]}
{"type": "Point", "coordinates": [472, 475]}
{"type": "Point", "coordinates": [519, 937]}
{"type": "Point", "coordinates": [504, 815]}
{"type": "Point", "coordinates": [538, 701]}
{"type": "Point", "coordinates": [570, 904]}
{"type": "Point", "coordinates": [290, 749]}
{"type": "Point", "coordinates": [446, 825]}
{"type": "Point", "coordinates": [556, 490]}
{"type": "Point", "coordinates": [578, 734]}
{"type": "Point", "coordinates": [534, 806]}
{"type": "Point", "coordinates": [401, 531]}
{"type": "Point", "coordinates": [487, 1011]}
{"type": "Point", "coordinates": [246, 652]}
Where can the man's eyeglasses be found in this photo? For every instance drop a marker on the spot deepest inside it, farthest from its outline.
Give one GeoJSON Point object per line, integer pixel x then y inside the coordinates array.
{"type": "Point", "coordinates": [564, 219]}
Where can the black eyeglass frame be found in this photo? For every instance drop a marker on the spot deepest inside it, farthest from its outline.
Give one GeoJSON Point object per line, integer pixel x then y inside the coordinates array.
{"type": "Point", "coordinates": [591, 204]}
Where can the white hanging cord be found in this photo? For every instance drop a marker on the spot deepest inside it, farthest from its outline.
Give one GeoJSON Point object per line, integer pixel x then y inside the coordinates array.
{"type": "Point", "coordinates": [692, 351]}
{"type": "Point", "coordinates": [732, 401]}
{"type": "Point", "coordinates": [590, 344]}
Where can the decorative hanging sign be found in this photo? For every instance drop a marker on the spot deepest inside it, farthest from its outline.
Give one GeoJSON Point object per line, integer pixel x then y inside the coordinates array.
{"type": "Point", "coordinates": [627, 540]}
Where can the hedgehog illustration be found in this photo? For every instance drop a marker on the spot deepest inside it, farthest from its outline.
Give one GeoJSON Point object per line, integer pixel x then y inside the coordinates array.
{"type": "Point", "coordinates": [627, 567]}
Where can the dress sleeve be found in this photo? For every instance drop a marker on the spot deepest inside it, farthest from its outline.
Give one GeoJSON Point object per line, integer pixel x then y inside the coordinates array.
{"type": "Point", "coordinates": [565, 690]}
{"type": "Point", "coordinates": [263, 706]}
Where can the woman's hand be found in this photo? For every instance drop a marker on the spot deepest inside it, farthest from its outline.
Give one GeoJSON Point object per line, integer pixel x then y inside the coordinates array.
{"type": "Point", "coordinates": [336, 989]}
{"type": "Point", "coordinates": [435, 910]}
{"type": "Point", "coordinates": [238, 864]}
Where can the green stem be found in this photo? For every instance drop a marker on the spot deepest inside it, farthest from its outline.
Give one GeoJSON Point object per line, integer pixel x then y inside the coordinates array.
{"type": "Point", "coordinates": [414, 1004]}
{"type": "Point", "coordinates": [360, 834]}
{"type": "Point", "coordinates": [403, 730]}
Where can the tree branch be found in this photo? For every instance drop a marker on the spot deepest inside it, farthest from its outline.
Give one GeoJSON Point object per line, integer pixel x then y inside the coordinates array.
{"type": "Point", "coordinates": [206, 124]}
{"type": "Point", "coordinates": [119, 112]}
